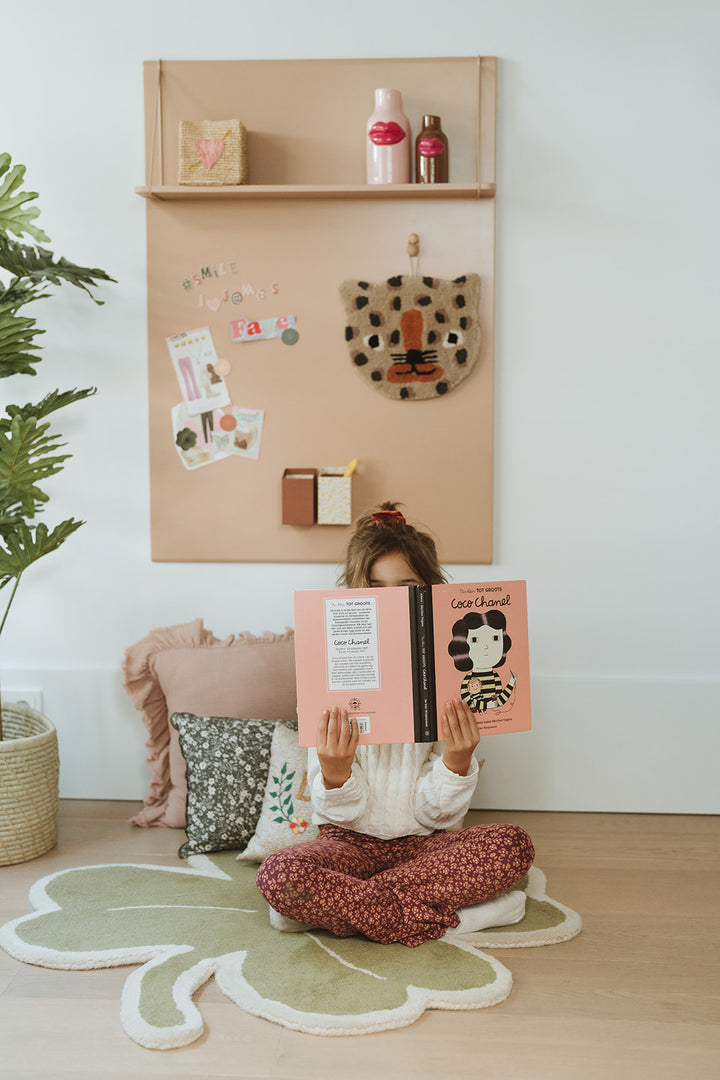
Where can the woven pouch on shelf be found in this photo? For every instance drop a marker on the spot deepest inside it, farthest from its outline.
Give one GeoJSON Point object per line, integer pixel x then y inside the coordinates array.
{"type": "Point", "coordinates": [212, 152]}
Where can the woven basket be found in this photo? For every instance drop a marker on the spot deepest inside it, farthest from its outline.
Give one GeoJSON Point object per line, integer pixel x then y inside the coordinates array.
{"type": "Point", "coordinates": [29, 770]}
{"type": "Point", "coordinates": [212, 152]}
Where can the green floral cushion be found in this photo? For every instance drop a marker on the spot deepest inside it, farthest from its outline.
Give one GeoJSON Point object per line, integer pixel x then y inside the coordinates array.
{"type": "Point", "coordinates": [228, 762]}
{"type": "Point", "coordinates": [286, 809]}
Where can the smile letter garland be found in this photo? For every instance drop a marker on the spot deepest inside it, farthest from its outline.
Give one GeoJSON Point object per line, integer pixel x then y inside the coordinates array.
{"type": "Point", "coordinates": [413, 337]}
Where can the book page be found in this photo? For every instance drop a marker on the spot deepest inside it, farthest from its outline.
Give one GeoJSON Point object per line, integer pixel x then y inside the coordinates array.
{"type": "Point", "coordinates": [353, 651]}
{"type": "Point", "coordinates": [352, 643]}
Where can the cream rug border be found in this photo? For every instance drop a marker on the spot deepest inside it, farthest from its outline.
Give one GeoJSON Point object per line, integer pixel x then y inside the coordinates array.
{"type": "Point", "coordinates": [536, 888]}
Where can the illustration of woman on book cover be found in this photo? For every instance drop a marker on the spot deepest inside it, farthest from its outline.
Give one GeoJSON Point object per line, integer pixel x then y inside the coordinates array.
{"type": "Point", "coordinates": [480, 644]}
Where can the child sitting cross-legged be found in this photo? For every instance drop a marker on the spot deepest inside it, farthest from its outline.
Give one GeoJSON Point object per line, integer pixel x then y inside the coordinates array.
{"type": "Point", "coordinates": [391, 860]}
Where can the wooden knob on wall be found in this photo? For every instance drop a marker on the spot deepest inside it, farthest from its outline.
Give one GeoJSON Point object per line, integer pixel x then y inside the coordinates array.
{"type": "Point", "coordinates": [413, 245]}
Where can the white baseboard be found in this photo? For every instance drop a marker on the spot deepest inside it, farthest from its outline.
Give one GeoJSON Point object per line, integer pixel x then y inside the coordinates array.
{"type": "Point", "coordinates": [611, 745]}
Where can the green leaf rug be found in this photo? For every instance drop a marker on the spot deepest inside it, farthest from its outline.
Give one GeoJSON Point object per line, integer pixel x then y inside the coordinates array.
{"type": "Point", "coordinates": [184, 925]}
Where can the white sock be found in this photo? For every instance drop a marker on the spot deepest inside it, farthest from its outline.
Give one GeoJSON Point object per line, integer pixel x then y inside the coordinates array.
{"type": "Point", "coordinates": [287, 926]}
{"type": "Point", "coordinates": [503, 910]}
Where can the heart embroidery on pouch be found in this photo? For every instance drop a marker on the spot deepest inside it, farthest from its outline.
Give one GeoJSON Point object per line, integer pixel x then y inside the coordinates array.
{"type": "Point", "coordinates": [209, 151]}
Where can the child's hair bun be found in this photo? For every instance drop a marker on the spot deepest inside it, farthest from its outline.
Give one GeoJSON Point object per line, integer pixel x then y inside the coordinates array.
{"type": "Point", "coordinates": [380, 532]}
{"type": "Point", "coordinates": [386, 516]}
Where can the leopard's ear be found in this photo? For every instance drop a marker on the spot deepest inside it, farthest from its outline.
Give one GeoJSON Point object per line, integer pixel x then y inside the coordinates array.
{"type": "Point", "coordinates": [413, 338]}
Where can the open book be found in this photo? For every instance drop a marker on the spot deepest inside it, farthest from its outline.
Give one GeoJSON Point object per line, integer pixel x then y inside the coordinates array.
{"type": "Point", "coordinates": [393, 657]}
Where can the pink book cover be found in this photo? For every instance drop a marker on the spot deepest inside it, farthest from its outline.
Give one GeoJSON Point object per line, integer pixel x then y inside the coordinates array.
{"type": "Point", "coordinates": [481, 652]}
{"type": "Point", "coordinates": [359, 649]}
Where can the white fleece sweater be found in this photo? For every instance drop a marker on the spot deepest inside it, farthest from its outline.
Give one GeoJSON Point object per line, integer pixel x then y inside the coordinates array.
{"type": "Point", "coordinates": [394, 790]}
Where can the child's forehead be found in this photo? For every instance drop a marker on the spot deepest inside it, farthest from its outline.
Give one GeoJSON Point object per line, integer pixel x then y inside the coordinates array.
{"type": "Point", "coordinates": [392, 566]}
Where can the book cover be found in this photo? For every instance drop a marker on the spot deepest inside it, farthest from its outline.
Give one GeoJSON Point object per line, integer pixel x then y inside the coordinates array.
{"type": "Point", "coordinates": [393, 657]}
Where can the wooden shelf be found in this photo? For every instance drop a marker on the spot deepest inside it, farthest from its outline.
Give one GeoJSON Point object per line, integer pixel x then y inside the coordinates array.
{"type": "Point", "coordinates": [321, 191]}
{"type": "Point", "coordinates": [316, 133]}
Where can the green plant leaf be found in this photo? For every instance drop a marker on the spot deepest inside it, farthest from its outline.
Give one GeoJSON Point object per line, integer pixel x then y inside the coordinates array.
{"type": "Point", "coordinates": [17, 293]}
{"type": "Point", "coordinates": [17, 337]}
{"type": "Point", "coordinates": [26, 544]}
{"type": "Point", "coordinates": [29, 452]}
{"type": "Point", "coordinates": [56, 399]}
{"type": "Point", "coordinates": [15, 216]}
{"type": "Point", "coordinates": [38, 265]}
{"type": "Point", "coordinates": [28, 455]}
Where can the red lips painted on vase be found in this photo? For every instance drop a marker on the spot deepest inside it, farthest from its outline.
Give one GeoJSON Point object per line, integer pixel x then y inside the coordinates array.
{"type": "Point", "coordinates": [431, 147]}
{"type": "Point", "coordinates": [386, 134]}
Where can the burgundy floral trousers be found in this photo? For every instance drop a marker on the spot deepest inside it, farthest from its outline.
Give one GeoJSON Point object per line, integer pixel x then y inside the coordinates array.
{"type": "Point", "coordinates": [407, 889]}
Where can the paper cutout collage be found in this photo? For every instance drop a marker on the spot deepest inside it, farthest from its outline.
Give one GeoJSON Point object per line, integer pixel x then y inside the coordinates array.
{"type": "Point", "coordinates": [206, 425]}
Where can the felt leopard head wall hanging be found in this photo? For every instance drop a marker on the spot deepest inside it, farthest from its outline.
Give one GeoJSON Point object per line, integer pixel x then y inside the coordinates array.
{"type": "Point", "coordinates": [411, 337]}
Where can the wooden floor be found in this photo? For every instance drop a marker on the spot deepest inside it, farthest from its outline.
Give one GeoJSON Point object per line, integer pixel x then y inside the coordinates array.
{"type": "Point", "coordinates": [634, 996]}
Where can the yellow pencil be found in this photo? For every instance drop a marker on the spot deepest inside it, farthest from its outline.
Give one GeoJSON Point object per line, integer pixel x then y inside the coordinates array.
{"type": "Point", "coordinates": [351, 467]}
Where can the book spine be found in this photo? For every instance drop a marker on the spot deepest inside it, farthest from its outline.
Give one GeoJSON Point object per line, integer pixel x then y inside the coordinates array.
{"type": "Point", "coordinates": [415, 667]}
{"type": "Point", "coordinates": [424, 667]}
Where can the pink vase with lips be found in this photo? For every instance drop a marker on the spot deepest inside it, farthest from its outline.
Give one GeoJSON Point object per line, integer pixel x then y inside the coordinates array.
{"type": "Point", "coordinates": [388, 141]}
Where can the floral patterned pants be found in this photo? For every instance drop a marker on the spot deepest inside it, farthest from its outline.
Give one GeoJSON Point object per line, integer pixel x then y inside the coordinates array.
{"type": "Point", "coordinates": [407, 889]}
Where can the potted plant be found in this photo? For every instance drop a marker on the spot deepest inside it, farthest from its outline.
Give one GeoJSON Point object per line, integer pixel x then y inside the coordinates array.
{"type": "Point", "coordinates": [29, 455]}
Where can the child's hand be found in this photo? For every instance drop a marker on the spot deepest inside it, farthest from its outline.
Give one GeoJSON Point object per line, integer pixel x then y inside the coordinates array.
{"type": "Point", "coordinates": [336, 745]}
{"type": "Point", "coordinates": [461, 736]}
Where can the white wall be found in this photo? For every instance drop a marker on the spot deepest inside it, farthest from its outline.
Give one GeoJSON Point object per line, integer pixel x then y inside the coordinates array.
{"type": "Point", "coordinates": [607, 374]}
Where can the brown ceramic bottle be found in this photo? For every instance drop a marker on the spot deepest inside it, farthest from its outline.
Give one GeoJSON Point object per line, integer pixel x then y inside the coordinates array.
{"type": "Point", "coordinates": [431, 153]}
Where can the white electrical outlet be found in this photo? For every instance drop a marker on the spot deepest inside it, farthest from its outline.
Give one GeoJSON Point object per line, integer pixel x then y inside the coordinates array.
{"type": "Point", "coordinates": [34, 698]}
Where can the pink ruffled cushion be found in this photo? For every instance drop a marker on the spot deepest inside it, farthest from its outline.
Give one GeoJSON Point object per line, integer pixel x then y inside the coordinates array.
{"type": "Point", "coordinates": [185, 668]}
